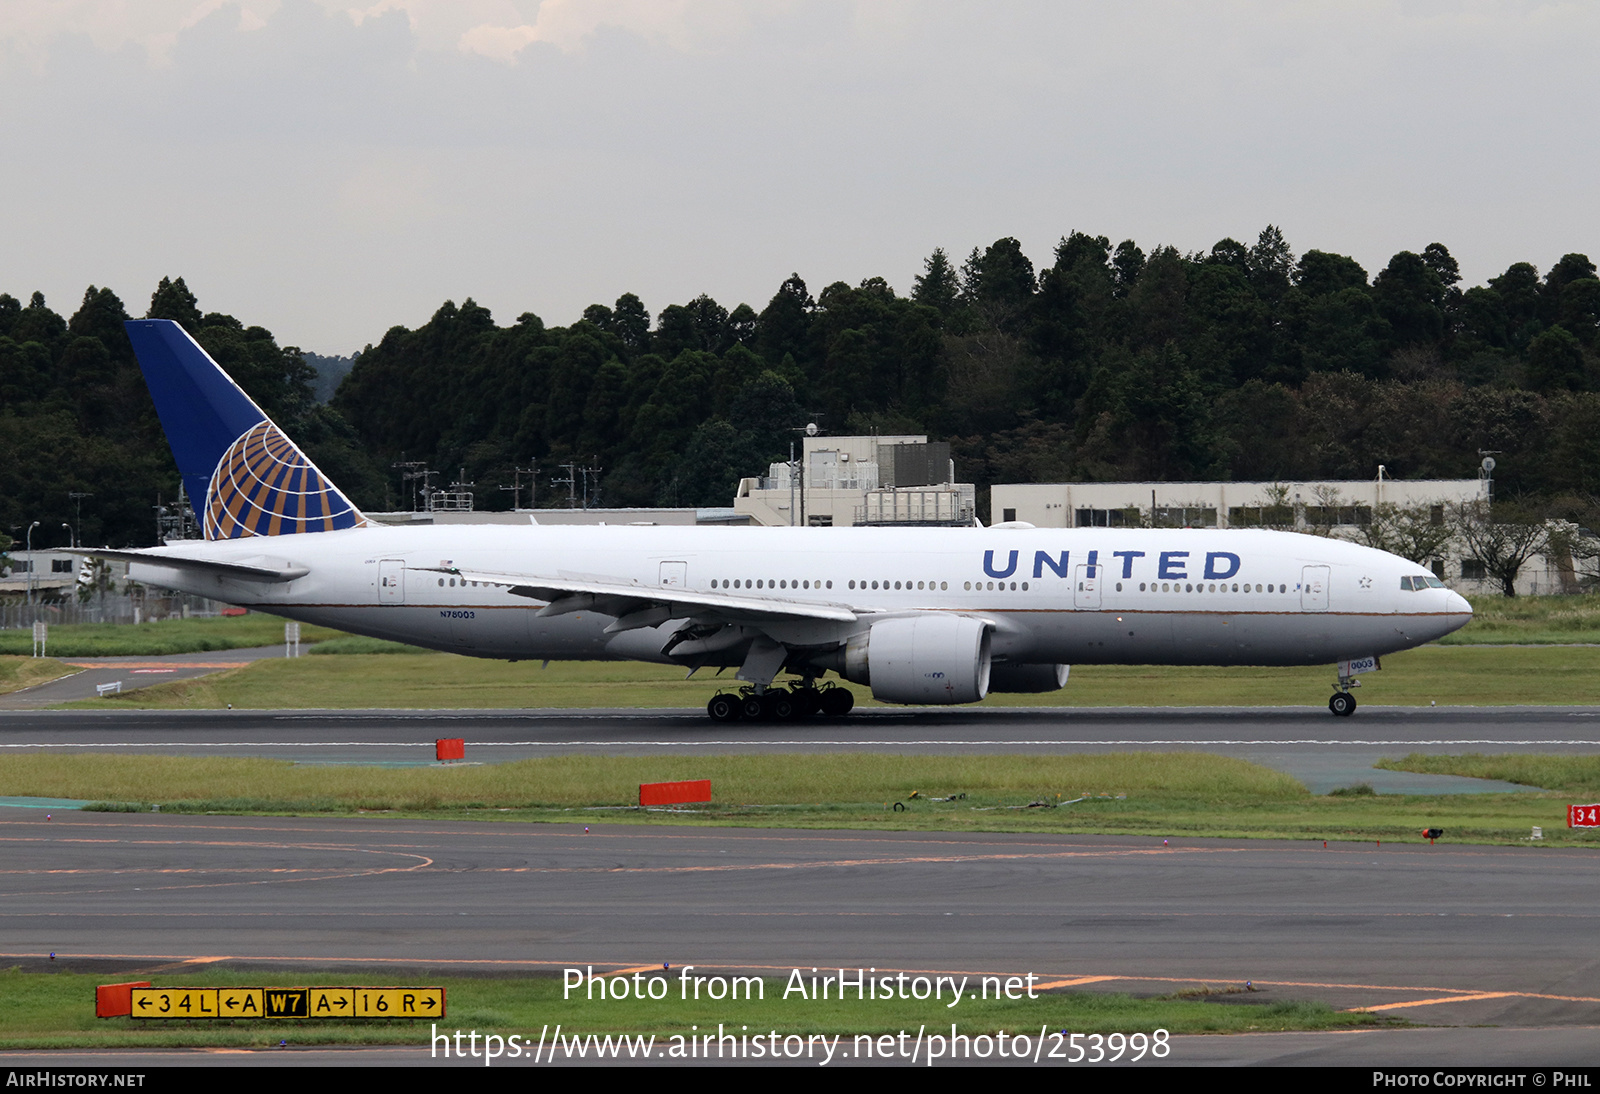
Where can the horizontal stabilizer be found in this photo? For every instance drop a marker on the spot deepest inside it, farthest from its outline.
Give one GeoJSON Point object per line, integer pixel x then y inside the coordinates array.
{"type": "Point", "coordinates": [254, 568]}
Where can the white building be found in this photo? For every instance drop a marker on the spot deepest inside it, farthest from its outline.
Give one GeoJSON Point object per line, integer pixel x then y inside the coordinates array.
{"type": "Point", "coordinates": [1330, 506]}
{"type": "Point", "coordinates": [1222, 504]}
{"type": "Point", "coordinates": [903, 480]}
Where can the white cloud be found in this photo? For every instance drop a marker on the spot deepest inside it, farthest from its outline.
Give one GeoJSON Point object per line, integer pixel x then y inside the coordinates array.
{"type": "Point", "coordinates": [334, 167]}
{"type": "Point", "coordinates": [31, 27]}
{"type": "Point", "coordinates": [683, 25]}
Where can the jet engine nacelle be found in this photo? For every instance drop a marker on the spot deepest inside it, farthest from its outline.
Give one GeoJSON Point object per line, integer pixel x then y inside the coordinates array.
{"type": "Point", "coordinates": [922, 659]}
{"type": "Point", "coordinates": [1011, 677]}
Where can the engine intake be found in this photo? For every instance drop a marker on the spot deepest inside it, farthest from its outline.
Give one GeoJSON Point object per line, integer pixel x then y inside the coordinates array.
{"type": "Point", "coordinates": [940, 659]}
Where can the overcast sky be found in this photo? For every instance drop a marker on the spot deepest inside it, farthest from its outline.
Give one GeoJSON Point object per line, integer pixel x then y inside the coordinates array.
{"type": "Point", "coordinates": [330, 170]}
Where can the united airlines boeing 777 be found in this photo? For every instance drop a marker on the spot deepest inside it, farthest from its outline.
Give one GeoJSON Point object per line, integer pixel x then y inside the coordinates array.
{"type": "Point", "coordinates": [921, 615]}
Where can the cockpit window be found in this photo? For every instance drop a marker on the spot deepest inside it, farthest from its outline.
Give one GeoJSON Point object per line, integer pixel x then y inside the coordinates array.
{"type": "Point", "coordinates": [1433, 582]}
{"type": "Point", "coordinates": [1405, 583]}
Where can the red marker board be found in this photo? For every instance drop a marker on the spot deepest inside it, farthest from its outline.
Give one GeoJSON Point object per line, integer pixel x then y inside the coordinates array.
{"type": "Point", "coordinates": [697, 790]}
{"type": "Point", "coordinates": [1583, 816]}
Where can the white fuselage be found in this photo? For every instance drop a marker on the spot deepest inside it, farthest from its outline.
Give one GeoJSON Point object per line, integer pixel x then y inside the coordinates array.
{"type": "Point", "coordinates": [1101, 595]}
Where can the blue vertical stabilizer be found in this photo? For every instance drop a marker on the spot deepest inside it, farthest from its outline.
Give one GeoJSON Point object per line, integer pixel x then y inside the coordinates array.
{"type": "Point", "coordinates": [244, 477]}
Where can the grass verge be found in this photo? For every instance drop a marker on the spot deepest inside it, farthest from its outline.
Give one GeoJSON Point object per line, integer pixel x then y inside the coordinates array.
{"type": "Point", "coordinates": [1563, 773]}
{"type": "Point", "coordinates": [56, 1010]}
{"type": "Point", "coordinates": [1139, 794]}
{"type": "Point", "coordinates": [17, 673]}
{"type": "Point", "coordinates": [1454, 676]}
{"type": "Point", "coordinates": [1536, 620]}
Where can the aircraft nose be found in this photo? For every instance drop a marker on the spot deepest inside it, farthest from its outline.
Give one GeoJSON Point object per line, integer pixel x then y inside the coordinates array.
{"type": "Point", "coordinates": [1458, 604]}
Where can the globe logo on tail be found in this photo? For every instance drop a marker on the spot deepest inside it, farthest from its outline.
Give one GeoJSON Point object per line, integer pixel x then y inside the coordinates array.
{"type": "Point", "coordinates": [265, 486]}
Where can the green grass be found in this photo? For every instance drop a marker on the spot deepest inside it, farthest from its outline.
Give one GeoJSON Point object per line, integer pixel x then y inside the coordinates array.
{"type": "Point", "coordinates": [166, 636]}
{"type": "Point", "coordinates": [1141, 793]}
{"type": "Point", "coordinates": [56, 1010]}
{"type": "Point", "coordinates": [1565, 773]}
{"type": "Point", "coordinates": [575, 781]}
{"type": "Point", "coordinates": [17, 673]}
{"type": "Point", "coordinates": [1449, 676]}
{"type": "Point", "coordinates": [356, 643]}
{"type": "Point", "coordinates": [1536, 620]}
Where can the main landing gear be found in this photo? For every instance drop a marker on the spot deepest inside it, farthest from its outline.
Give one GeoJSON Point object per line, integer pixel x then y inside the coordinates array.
{"type": "Point", "coordinates": [781, 704]}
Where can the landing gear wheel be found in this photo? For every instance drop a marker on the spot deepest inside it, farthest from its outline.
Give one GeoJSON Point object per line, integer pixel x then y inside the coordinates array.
{"type": "Point", "coordinates": [1342, 704]}
{"type": "Point", "coordinates": [752, 708]}
{"type": "Point", "coordinates": [807, 701]}
{"type": "Point", "coordinates": [724, 708]}
{"type": "Point", "coordinates": [836, 702]}
{"type": "Point", "coordinates": [778, 706]}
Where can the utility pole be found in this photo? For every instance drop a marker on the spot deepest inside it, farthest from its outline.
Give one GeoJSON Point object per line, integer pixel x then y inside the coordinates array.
{"type": "Point", "coordinates": [578, 477]}
{"type": "Point", "coordinates": [410, 472]}
{"type": "Point", "coordinates": [570, 482]}
{"type": "Point", "coordinates": [516, 486]}
{"type": "Point", "coordinates": [77, 529]}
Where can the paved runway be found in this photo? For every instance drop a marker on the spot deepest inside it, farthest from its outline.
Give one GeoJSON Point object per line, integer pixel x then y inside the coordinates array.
{"type": "Point", "coordinates": [1447, 935]}
{"type": "Point", "coordinates": [1322, 751]}
{"type": "Point", "coordinates": [1450, 935]}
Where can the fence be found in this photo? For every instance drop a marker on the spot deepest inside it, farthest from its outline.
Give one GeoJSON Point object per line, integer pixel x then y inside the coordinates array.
{"type": "Point", "coordinates": [17, 614]}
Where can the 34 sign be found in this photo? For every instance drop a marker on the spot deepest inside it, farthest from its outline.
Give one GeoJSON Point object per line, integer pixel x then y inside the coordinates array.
{"type": "Point", "coordinates": [1583, 816]}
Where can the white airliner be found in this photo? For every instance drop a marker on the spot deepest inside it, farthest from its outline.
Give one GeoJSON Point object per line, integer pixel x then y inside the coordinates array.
{"type": "Point", "coordinates": [921, 615]}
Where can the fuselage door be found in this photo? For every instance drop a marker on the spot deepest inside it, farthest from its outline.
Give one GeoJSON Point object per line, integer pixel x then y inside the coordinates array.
{"type": "Point", "coordinates": [674, 574]}
{"type": "Point", "coordinates": [391, 581]}
{"type": "Point", "coordinates": [1314, 582]}
{"type": "Point", "coordinates": [1086, 587]}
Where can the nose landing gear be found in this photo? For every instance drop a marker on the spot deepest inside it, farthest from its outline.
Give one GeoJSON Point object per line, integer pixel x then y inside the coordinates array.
{"type": "Point", "coordinates": [1343, 704]}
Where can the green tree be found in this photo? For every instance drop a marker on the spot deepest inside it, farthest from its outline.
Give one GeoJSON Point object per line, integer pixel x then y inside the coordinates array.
{"type": "Point", "coordinates": [173, 300]}
{"type": "Point", "coordinates": [1501, 538]}
{"type": "Point", "coordinates": [936, 287]}
{"type": "Point", "coordinates": [1556, 362]}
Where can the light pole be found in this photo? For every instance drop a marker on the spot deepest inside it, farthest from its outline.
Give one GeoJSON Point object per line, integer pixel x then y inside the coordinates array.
{"type": "Point", "coordinates": [32, 563]}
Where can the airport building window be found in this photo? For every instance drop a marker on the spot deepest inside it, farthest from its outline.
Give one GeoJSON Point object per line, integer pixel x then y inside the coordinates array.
{"type": "Point", "coordinates": [1473, 570]}
{"type": "Point", "coordinates": [1106, 518]}
{"type": "Point", "coordinates": [1325, 515]}
{"type": "Point", "coordinates": [1178, 516]}
{"type": "Point", "coordinates": [1260, 516]}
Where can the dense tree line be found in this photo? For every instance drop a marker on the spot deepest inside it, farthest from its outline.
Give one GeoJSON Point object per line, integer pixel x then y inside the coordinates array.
{"type": "Point", "coordinates": [1242, 362]}
{"type": "Point", "coordinates": [75, 415]}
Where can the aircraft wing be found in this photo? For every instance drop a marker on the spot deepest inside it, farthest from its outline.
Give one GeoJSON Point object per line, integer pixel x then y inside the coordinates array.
{"type": "Point", "coordinates": [255, 568]}
{"type": "Point", "coordinates": [636, 604]}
